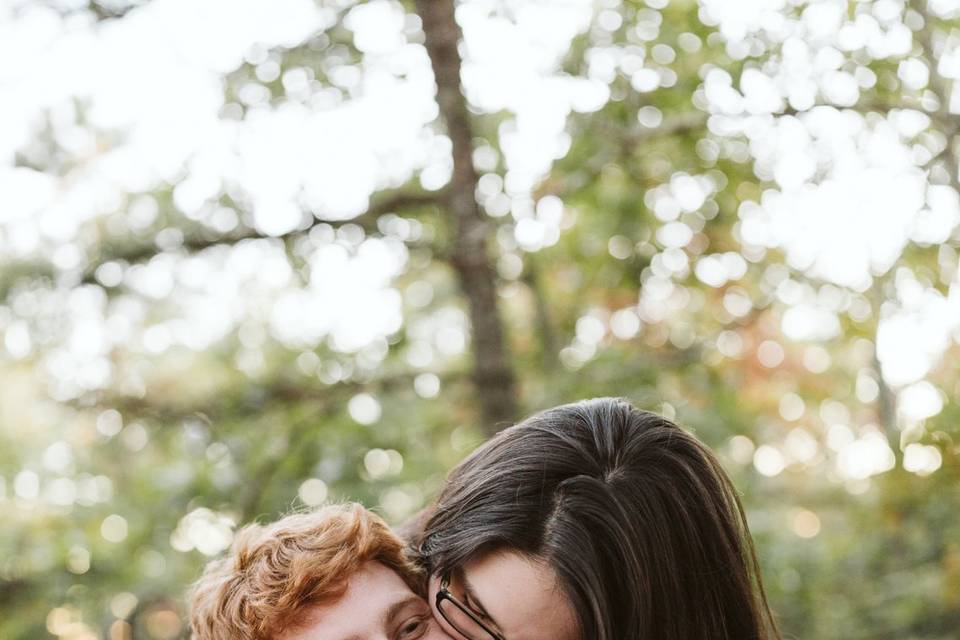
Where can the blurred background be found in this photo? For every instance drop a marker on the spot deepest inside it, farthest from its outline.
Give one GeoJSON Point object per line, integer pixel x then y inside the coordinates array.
{"type": "Point", "coordinates": [259, 254]}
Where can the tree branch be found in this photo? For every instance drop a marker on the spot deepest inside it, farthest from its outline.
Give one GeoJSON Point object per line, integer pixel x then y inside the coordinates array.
{"type": "Point", "coordinates": [246, 399]}
{"type": "Point", "coordinates": [138, 253]}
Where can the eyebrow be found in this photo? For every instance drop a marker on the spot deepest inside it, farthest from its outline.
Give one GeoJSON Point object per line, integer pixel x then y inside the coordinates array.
{"type": "Point", "coordinates": [391, 613]}
{"type": "Point", "coordinates": [475, 601]}
{"type": "Point", "coordinates": [394, 610]}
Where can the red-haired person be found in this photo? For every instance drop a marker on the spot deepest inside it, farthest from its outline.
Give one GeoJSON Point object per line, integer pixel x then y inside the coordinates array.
{"type": "Point", "coordinates": [338, 573]}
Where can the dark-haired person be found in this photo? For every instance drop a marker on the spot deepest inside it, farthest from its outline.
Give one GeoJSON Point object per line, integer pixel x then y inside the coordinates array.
{"type": "Point", "coordinates": [593, 521]}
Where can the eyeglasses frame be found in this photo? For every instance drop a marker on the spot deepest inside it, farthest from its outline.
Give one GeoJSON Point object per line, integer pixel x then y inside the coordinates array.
{"type": "Point", "coordinates": [443, 593]}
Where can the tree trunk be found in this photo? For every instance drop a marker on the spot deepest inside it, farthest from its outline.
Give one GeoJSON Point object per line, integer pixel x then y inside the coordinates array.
{"type": "Point", "coordinates": [492, 374]}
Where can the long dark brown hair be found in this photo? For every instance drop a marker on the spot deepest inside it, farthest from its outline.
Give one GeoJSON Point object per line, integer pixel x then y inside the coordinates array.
{"type": "Point", "coordinates": [637, 518]}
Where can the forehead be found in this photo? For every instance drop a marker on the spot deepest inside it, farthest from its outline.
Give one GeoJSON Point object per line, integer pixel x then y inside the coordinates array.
{"type": "Point", "coordinates": [358, 613]}
{"type": "Point", "coordinates": [523, 595]}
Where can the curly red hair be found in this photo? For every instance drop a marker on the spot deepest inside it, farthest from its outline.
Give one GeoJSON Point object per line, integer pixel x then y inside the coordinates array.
{"type": "Point", "coordinates": [274, 572]}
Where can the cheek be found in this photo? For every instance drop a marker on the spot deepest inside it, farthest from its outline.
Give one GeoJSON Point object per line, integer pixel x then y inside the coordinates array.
{"type": "Point", "coordinates": [439, 632]}
{"type": "Point", "coordinates": [442, 629]}
{"type": "Point", "coordinates": [570, 630]}
{"type": "Point", "coordinates": [567, 626]}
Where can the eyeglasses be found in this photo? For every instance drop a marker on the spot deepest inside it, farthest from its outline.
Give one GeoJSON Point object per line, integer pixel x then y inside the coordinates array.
{"type": "Point", "coordinates": [460, 617]}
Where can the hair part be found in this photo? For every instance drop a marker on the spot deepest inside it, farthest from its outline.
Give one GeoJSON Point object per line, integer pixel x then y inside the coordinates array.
{"type": "Point", "coordinates": [273, 573]}
{"type": "Point", "coordinates": [637, 518]}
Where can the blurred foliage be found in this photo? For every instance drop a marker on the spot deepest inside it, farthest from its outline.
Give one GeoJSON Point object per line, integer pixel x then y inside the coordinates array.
{"type": "Point", "coordinates": [115, 498]}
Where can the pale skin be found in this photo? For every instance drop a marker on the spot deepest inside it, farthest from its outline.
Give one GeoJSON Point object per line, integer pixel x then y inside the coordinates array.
{"type": "Point", "coordinates": [377, 605]}
{"type": "Point", "coordinates": [514, 595]}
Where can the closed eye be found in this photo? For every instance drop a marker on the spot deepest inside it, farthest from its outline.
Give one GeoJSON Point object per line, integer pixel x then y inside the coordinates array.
{"type": "Point", "coordinates": [477, 609]}
{"type": "Point", "coordinates": [413, 628]}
